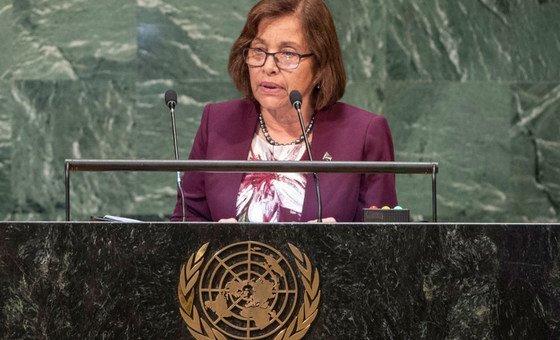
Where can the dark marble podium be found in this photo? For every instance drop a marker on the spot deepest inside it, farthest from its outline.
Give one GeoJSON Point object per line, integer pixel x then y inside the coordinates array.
{"type": "Point", "coordinates": [413, 281]}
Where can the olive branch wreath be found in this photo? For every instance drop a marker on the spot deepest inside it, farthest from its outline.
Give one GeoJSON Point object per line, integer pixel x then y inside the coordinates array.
{"type": "Point", "coordinates": [201, 330]}
{"type": "Point", "coordinates": [308, 311]}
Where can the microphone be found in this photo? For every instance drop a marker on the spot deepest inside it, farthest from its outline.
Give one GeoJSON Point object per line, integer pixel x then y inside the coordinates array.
{"type": "Point", "coordinates": [296, 99]}
{"type": "Point", "coordinates": [171, 101]}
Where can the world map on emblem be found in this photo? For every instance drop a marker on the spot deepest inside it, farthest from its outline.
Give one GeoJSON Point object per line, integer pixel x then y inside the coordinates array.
{"type": "Point", "coordinates": [248, 290]}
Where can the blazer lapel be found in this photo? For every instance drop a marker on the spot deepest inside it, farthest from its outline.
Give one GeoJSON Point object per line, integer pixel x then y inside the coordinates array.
{"type": "Point", "coordinates": [318, 145]}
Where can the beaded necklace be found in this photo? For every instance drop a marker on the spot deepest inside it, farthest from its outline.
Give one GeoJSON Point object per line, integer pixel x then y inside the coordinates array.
{"type": "Point", "coordinates": [273, 142]}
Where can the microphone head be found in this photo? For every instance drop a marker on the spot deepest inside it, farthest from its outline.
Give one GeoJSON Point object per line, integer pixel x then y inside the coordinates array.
{"type": "Point", "coordinates": [295, 98]}
{"type": "Point", "coordinates": [170, 98]}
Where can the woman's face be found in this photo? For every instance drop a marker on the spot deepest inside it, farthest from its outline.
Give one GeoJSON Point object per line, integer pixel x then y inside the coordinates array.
{"type": "Point", "coordinates": [271, 85]}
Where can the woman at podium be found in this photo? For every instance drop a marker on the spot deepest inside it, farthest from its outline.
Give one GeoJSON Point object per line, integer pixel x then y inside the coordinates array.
{"type": "Point", "coordinates": [287, 45]}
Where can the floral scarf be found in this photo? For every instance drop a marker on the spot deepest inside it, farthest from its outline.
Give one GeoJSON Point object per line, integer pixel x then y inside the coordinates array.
{"type": "Point", "coordinates": [271, 197]}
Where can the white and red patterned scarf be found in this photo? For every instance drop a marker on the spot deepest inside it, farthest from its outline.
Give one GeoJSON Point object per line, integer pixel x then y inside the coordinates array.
{"type": "Point", "coordinates": [271, 197]}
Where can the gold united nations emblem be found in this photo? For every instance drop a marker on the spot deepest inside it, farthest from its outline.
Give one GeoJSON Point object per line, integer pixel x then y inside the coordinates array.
{"type": "Point", "coordinates": [248, 290]}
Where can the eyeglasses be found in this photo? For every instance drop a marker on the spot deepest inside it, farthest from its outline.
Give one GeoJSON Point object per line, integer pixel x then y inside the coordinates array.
{"type": "Point", "coordinates": [285, 60]}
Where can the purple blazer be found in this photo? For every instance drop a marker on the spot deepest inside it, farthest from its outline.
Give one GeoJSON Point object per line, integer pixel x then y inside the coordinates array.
{"type": "Point", "coordinates": [345, 132]}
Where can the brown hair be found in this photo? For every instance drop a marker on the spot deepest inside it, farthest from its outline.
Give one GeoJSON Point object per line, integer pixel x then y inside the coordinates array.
{"type": "Point", "coordinates": [319, 30]}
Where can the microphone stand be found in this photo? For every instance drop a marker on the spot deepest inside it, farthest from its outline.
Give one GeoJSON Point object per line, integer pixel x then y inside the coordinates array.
{"type": "Point", "coordinates": [171, 105]}
{"type": "Point", "coordinates": [297, 106]}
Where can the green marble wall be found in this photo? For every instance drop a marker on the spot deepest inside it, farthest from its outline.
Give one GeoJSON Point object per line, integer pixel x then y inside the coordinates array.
{"type": "Point", "coordinates": [474, 85]}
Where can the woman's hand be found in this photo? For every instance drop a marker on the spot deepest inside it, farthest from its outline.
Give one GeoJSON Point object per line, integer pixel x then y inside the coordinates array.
{"type": "Point", "coordinates": [227, 220]}
{"type": "Point", "coordinates": [325, 220]}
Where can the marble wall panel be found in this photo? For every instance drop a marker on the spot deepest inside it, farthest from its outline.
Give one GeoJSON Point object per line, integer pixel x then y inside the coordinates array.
{"type": "Point", "coordinates": [464, 127]}
{"type": "Point", "coordinates": [536, 152]}
{"type": "Point", "coordinates": [187, 40]}
{"type": "Point", "coordinates": [361, 32]}
{"type": "Point", "coordinates": [6, 36]}
{"type": "Point", "coordinates": [71, 39]}
{"type": "Point", "coordinates": [442, 40]}
{"type": "Point", "coordinates": [55, 120]}
{"type": "Point", "coordinates": [6, 107]}
{"type": "Point", "coordinates": [534, 39]}
{"type": "Point", "coordinates": [367, 94]}
{"type": "Point", "coordinates": [473, 40]}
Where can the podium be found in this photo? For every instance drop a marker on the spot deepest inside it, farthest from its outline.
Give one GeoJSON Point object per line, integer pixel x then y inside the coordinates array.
{"type": "Point", "coordinates": [414, 281]}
